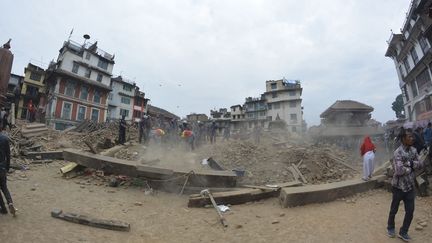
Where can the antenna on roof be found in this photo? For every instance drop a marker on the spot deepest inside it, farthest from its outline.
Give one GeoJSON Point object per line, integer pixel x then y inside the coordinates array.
{"type": "Point", "coordinates": [70, 34]}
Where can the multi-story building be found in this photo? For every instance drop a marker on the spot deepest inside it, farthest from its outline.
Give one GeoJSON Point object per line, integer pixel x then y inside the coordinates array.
{"type": "Point", "coordinates": [79, 84]}
{"type": "Point", "coordinates": [140, 105]}
{"type": "Point", "coordinates": [256, 111]}
{"type": "Point", "coordinates": [283, 99]}
{"type": "Point", "coordinates": [412, 56]}
{"type": "Point", "coordinates": [121, 99]}
{"type": "Point", "coordinates": [238, 117]}
{"type": "Point", "coordinates": [197, 117]}
{"type": "Point", "coordinates": [14, 90]}
{"type": "Point", "coordinates": [33, 89]}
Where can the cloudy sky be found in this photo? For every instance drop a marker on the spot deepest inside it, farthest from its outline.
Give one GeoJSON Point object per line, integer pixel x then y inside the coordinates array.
{"type": "Point", "coordinates": [193, 56]}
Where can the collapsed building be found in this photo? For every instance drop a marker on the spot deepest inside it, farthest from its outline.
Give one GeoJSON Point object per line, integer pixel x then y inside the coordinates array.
{"type": "Point", "coordinates": [346, 120]}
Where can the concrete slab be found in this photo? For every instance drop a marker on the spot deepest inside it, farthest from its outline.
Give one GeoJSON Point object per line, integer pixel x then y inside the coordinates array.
{"type": "Point", "coordinates": [45, 155]}
{"type": "Point", "coordinates": [298, 196]}
{"type": "Point", "coordinates": [204, 178]}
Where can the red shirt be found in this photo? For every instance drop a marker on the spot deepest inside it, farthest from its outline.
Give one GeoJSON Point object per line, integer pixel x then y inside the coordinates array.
{"type": "Point", "coordinates": [366, 146]}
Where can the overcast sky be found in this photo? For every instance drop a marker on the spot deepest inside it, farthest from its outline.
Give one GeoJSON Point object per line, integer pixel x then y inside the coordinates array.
{"type": "Point", "coordinates": [193, 56]}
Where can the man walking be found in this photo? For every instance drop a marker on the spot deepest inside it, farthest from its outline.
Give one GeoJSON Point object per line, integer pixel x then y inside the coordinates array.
{"type": "Point", "coordinates": [404, 163]}
{"type": "Point", "coordinates": [4, 168]}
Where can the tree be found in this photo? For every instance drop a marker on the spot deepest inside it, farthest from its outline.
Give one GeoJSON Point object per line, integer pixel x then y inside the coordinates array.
{"type": "Point", "coordinates": [398, 107]}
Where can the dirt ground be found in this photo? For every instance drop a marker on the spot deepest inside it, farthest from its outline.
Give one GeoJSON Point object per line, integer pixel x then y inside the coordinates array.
{"type": "Point", "coordinates": [164, 217]}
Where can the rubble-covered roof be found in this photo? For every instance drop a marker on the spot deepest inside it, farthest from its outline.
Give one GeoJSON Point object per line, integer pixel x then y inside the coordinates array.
{"type": "Point", "coordinates": [347, 105]}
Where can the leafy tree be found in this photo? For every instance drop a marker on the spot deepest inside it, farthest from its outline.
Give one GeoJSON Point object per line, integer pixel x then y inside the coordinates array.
{"type": "Point", "coordinates": [398, 107]}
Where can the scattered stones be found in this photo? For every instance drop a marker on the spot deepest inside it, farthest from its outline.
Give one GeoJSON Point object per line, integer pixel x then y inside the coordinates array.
{"type": "Point", "coordinates": [138, 203]}
{"type": "Point", "coordinates": [281, 214]}
{"type": "Point", "coordinates": [239, 226]}
{"type": "Point", "coordinates": [418, 227]}
{"type": "Point", "coordinates": [275, 221]}
{"type": "Point", "coordinates": [423, 224]}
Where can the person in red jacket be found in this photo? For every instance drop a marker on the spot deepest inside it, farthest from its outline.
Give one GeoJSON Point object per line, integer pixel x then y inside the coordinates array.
{"type": "Point", "coordinates": [367, 150]}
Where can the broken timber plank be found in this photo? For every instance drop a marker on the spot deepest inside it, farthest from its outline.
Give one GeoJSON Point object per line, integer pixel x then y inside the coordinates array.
{"type": "Point", "coordinates": [299, 173]}
{"type": "Point", "coordinates": [86, 220]}
{"type": "Point", "coordinates": [233, 197]}
{"type": "Point", "coordinates": [341, 162]}
{"type": "Point", "coordinates": [294, 173]}
{"type": "Point", "coordinates": [68, 167]}
{"type": "Point", "coordinates": [92, 149]}
{"type": "Point", "coordinates": [45, 155]}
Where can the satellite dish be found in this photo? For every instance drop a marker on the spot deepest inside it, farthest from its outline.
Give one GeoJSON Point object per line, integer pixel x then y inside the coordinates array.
{"type": "Point", "coordinates": [86, 36]}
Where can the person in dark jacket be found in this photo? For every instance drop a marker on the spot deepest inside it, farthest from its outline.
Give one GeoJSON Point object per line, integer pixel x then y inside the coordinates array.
{"type": "Point", "coordinates": [4, 169]}
{"type": "Point", "coordinates": [405, 162]}
{"type": "Point", "coordinates": [122, 130]}
{"type": "Point", "coordinates": [419, 143]}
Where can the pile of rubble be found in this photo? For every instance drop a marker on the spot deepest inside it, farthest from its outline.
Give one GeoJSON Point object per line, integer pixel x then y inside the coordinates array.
{"type": "Point", "coordinates": [275, 162]}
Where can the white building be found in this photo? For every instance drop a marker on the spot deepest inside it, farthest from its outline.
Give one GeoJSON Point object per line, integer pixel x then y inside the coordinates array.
{"type": "Point", "coordinates": [121, 98]}
{"type": "Point", "coordinates": [283, 98]}
{"type": "Point", "coordinates": [410, 51]}
{"type": "Point", "coordinates": [78, 84]}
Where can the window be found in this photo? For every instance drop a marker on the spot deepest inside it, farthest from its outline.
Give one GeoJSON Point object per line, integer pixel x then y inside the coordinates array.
{"type": "Point", "coordinates": [124, 112]}
{"type": "Point", "coordinates": [274, 95]}
{"type": "Point", "coordinates": [406, 93]}
{"type": "Point", "coordinates": [414, 89]}
{"type": "Point", "coordinates": [406, 64]}
{"type": "Point", "coordinates": [87, 73]}
{"type": "Point", "coordinates": [103, 64]}
{"type": "Point", "coordinates": [273, 86]}
{"type": "Point", "coordinates": [75, 68]}
{"type": "Point", "coordinates": [423, 44]}
{"type": "Point", "coordinates": [127, 87]}
{"type": "Point", "coordinates": [423, 80]}
{"type": "Point", "coordinates": [401, 71]}
{"type": "Point", "coordinates": [99, 77]}
{"type": "Point", "coordinates": [35, 76]}
{"type": "Point", "coordinates": [250, 115]}
{"type": "Point", "coordinates": [96, 97]}
{"type": "Point", "coordinates": [292, 93]}
{"type": "Point", "coordinates": [276, 106]}
{"type": "Point", "coordinates": [95, 115]}
{"type": "Point", "coordinates": [293, 117]}
{"type": "Point", "coordinates": [110, 96]}
{"type": "Point", "coordinates": [66, 111]}
{"type": "Point", "coordinates": [262, 113]}
{"type": "Point", "coordinates": [269, 118]}
{"type": "Point", "coordinates": [125, 100]}
{"type": "Point", "coordinates": [81, 113]}
{"type": "Point", "coordinates": [414, 55]}
{"type": "Point", "coordinates": [269, 106]}
{"type": "Point", "coordinates": [70, 88]}
{"type": "Point", "coordinates": [293, 104]}
{"type": "Point", "coordinates": [88, 56]}
{"type": "Point", "coordinates": [294, 129]}
{"type": "Point", "coordinates": [84, 93]}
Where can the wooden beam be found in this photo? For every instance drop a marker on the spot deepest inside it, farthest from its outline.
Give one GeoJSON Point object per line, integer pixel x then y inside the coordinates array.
{"type": "Point", "coordinates": [45, 155]}
{"type": "Point", "coordinates": [233, 197]}
{"type": "Point", "coordinates": [299, 173]}
{"type": "Point", "coordinates": [87, 220]}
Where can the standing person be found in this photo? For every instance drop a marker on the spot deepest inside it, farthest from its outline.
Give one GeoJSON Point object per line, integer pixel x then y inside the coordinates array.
{"type": "Point", "coordinates": [4, 169]}
{"type": "Point", "coordinates": [404, 163]}
{"type": "Point", "coordinates": [5, 121]}
{"type": "Point", "coordinates": [427, 135]}
{"type": "Point", "coordinates": [367, 151]}
{"type": "Point", "coordinates": [141, 130]}
{"type": "Point", "coordinates": [419, 143]}
{"type": "Point", "coordinates": [122, 130]}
